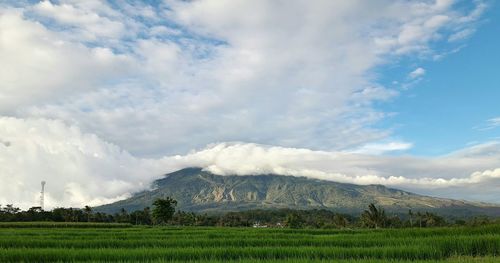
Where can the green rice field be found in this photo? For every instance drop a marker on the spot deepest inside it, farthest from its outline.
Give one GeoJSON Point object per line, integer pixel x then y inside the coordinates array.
{"type": "Point", "coordinates": [51, 242]}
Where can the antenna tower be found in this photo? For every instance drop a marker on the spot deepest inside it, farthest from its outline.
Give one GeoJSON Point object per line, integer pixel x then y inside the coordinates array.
{"type": "Point", "coordinates": [42, 196]}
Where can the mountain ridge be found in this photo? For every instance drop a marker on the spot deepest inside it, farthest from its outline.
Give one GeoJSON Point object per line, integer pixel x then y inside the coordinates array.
{"type": "Point", "coordinates": [201, 191]}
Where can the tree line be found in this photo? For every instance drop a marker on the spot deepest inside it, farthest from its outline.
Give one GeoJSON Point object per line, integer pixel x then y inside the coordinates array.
{"type": "Point", "coordinates": [164, 213]}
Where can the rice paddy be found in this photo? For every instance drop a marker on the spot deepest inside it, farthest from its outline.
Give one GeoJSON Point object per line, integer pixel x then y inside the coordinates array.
{"type": "Point", "coordinates": [123, 243]}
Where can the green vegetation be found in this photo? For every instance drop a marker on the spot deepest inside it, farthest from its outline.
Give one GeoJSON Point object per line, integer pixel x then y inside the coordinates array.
{"type": "Point", "coordinates": [276, 236]}
{"type": "Point", "coordinates": [216, 244]}
{"type": "Point", "coordinates": [164, 210]}
{"type": "Point", "coordinates": [163, 213]}
{"type": "Point", "coordinates": [62, 225]}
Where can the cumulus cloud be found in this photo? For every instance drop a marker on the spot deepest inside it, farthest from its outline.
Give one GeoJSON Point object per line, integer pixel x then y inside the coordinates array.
{"type": "Point", "coordinates": [83, 16]}
{"type": "Point", "coordinates": [80, 168]}
{"type": "Point", "coordinates": [184, 74]}
{"type": "Point", "coordinates": [38, 66]}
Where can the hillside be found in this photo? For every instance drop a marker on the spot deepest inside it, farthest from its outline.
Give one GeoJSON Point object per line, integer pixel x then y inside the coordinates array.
{"type": "Point", "coordinates": [202, 191]}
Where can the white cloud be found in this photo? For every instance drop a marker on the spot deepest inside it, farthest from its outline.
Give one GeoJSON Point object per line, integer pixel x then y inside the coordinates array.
{"type": "Point", "coordinates": [490, 124]}
{"type": "Point", "coordinates": [417, 73]}
{"type": "Point", "coordinates": [380, 148]}
{"type": "Point", "coordinates": [494, 122]}
{"type": "Point", "coordinates": [181, 77]}
{"type": "Point", "coordinates": [39, 66]}
{"type": "Point", "coordinates": [466, 24]}
{"type": "Point", "coordinates": [80, 168]}
{"type": "Point", "coordinates": [83, 169]}
{"type": "Point", "coordinates": [461, 35]}
{"type": "Point", "coordinates": [85, 18]}
{"type": "Point", "coordinates": [471, 173]}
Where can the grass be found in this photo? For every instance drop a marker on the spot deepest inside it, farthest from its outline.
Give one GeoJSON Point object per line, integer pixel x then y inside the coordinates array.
{"type": "Point", "coordinates": [61, 225]}
{"type": "Point", "coordinates": [49, 242]}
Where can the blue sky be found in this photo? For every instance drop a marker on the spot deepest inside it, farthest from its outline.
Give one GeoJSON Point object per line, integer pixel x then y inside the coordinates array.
{"type": "Point", "coordinates": [449, 109]}
{"type": "Point", "coordinates": [117, 93]}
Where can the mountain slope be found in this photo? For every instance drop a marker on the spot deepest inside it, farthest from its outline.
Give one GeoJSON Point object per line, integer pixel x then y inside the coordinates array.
{"type": "Point", "coordinates": [201, 191]}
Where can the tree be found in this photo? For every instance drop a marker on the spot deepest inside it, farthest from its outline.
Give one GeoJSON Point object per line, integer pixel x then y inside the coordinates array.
{"type": "Point", "coordinates": [373, 217]}
{"type": "Point", "coordinates": [294, 220]}
{"type": "Point", "coordinates": [88, 212]}
{"type": "Point", "coordinates": [10, 209]}
{"type": "Point", "coordinates": [122, 216]}
{"type": "Point", "coordinates": [340, 221]}
{"type": "Point", "coordinates": [432, 220]}
{"type": "Point", "coordinates": [185, 218]}
{"type": "Point", "coordinates": [141, 217]}
{"type": "Point", "coordinates": [164, 210]}
{"type": "Point", "coordinates": [234, 219]}
{"type": "Point", "coordinates": [394, 221]}
{"type": "Point", "coordinates": [479, 221]}
{"type": "Point", "coordinates": [33, 214]}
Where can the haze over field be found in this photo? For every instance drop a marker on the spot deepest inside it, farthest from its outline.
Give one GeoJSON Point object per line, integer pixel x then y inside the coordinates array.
{"type": "Point", "coordinates": [101, 98]}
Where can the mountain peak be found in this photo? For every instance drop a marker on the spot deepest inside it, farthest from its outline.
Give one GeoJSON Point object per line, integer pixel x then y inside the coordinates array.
{"type": "Point", "coordinates": [202, 191]}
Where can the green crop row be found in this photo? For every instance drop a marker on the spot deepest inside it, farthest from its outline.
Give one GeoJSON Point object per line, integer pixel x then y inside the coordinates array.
{"type": "Point", "coordinates": [469, 243]}
{"type": "Point", "coordinates": [307, 260]}
{"type": "Point", "coordinates": [141, 254]}
{"type": "Point", "coordinates": [61, 225]}
{"type": "Point", "coordinates": [145, 244]}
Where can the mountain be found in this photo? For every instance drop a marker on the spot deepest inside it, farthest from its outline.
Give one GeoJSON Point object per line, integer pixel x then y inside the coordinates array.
{"type": "Point", "coordinates": [201, 191]}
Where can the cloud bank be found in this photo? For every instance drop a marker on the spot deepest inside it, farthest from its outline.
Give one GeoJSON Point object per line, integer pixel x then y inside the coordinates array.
{"type": "Point", "coordinates": [79, 168]}
{"type": "Point", "coordinates": [82, 169]}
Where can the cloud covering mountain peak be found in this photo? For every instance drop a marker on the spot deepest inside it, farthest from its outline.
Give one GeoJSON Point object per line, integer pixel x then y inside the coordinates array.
{"type": "Point", "coordinates": [81, 168]}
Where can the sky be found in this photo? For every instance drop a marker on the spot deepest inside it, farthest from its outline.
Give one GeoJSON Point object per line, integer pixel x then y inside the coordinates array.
{"type": "Point", "coordinates": [100, 98]}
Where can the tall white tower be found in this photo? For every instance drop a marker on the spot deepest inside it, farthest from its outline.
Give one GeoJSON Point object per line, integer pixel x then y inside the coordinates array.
{"type": "Point", "coordinates": [42, 196]}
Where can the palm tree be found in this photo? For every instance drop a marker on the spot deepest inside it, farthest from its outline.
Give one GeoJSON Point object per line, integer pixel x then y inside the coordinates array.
{"type": "Point", "coordinates": [340, 221]}
{"type": "Point", "coordinates": [374, 217]}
